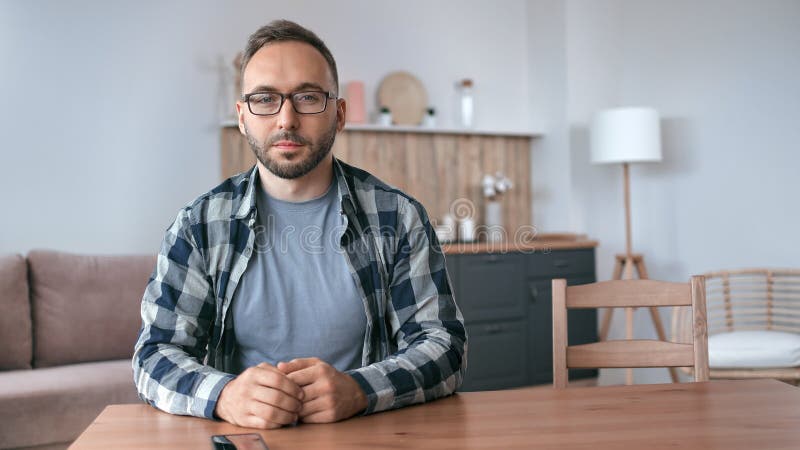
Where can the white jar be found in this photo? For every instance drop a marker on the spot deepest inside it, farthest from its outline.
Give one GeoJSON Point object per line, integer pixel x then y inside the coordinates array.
{"type": "Point", "coordinates": [466, 230]}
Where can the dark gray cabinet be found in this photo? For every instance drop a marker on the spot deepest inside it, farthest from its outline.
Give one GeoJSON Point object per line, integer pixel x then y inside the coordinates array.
{"type": "Point", "coordinates": [506, 303]}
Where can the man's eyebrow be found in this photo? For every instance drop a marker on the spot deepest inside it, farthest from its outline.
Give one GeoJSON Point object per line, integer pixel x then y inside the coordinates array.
{"type": "Point", "coordinates": [301, 87]}
{"type": "Point", "coordinates": [307, 85]}
{"type": "Point", "coordinates": [263, 88]}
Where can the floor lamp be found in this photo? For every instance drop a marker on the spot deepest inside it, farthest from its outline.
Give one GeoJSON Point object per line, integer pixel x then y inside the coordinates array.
{"type": "Point", "coordinates": [625, 136]}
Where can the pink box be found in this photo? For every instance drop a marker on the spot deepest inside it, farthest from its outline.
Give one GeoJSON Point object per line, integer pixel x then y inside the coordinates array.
{"type": "Point", "coordinates": [356, 110]}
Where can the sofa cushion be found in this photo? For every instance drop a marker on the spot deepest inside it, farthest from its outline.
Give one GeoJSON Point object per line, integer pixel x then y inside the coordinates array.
{"type": "Point", "coordinates": [56, 404]}
{"type": "Point", "coordinates": [16, 341]}
{"type": "Point", "coordinates": [753, 349]}
{"type": "Point", "coordinates": [85, 308]}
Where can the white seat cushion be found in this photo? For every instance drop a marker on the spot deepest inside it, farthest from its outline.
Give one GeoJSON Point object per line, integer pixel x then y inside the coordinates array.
{"type": "Point", "coordinates": [753, 349]}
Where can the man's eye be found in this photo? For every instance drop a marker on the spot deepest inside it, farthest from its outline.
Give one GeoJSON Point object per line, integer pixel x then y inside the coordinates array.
{"type": "Point", "coordinates": [307, 98]}
{"type": "Point", "coordinates": [264, 99]}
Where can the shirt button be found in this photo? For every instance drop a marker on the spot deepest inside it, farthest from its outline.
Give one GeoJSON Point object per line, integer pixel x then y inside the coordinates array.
{"type": "Point", "coordinates": [248, 251]}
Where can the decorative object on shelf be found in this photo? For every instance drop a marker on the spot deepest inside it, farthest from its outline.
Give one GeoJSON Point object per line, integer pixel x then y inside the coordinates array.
{"type": "Point", "coordinates": [356, 109]}
{"type": "Point", "coordinates": [466, 230]}
{"type": "Point", "coordinates": [405, 96]}
{"type": "Point", "coordinates": [465, 107]}
{"type": "Point", "coordinates": [462, 210]}
{"type": "Point", "coordinates": [429, 121]}
{"type": "Point", "coordinates": [493, 189]}
{"type": "Point", "coordinates": [446, 230]}
{"type": "Point", "coordinates": [628, 135]}
{"type": "Point", "coordinates": [385, 117]}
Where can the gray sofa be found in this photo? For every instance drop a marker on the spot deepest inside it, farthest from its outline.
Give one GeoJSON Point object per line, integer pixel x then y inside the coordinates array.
{"type": "Point", "coordinates": [68, 324]}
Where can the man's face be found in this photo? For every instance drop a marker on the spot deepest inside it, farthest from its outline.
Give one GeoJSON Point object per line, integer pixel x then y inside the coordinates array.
{"type": "Point", "coordinates": [290, 144]}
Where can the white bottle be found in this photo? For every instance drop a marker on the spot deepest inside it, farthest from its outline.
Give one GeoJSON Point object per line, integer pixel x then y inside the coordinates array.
{"type": "Point", "coordinates": [466, 105]}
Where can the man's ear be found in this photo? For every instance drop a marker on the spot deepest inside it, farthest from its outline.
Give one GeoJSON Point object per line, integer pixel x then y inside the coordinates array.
{"type": "Point", "coordinates": [341, 113]}
{"type": "Point", "coordinates": [240, 115]}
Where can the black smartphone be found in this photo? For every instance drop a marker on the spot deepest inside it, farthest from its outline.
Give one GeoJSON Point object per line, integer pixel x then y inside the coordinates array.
{"type": "Point", "coordinates": [249, 441]}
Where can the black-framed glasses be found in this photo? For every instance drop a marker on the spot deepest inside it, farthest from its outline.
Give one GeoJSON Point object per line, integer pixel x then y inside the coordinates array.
{"type": "Point", "coordinates": [270, 103]}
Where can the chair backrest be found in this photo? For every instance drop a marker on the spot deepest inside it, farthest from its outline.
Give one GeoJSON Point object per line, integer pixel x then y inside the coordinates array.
{"type": "Point", "coordinates": [747, 299]}
{"type": "Point", "coordinates": [629, 353]}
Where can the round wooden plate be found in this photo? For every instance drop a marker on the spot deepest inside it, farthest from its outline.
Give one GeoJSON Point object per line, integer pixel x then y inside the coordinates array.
{"type": "Point", "coordinates": [405, 96]}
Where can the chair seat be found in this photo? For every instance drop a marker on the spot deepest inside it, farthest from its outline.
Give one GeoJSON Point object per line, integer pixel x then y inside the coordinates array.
{"type": "Point", "coordinates": [753, 349]}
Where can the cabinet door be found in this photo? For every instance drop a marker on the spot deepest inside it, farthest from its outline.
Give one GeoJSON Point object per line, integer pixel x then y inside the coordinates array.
{"type": "Point", "coordinates": [451, 262]}
{"type": "Point", "coordinates": [581, 329]}
{"type": "Point", "coordinates": [495, 359]}
{"type": "Point", "coordinates": [491, 287]}
{"type": "Point", "coordinates": [561, 264]}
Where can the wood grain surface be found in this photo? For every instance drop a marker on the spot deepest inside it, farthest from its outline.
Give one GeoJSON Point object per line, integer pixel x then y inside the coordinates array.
{"type": "Point", "coordinates": [731, 415]}
{"type": "Point", "coordinates": [443, 171]}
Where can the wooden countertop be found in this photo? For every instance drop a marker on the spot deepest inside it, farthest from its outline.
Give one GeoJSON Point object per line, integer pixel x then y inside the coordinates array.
{"type": "Point", "coordinates": [541, 243]}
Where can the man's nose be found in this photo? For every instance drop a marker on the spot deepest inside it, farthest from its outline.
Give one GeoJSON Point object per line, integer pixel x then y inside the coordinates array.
{"type": "Point", "coordinates": [288, 118]}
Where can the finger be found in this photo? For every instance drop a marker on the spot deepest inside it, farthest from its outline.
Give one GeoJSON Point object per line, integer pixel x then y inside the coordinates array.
{"type": "Point", "coordinates": [304, 377]}
{"type": "Point", "coordinates": [277, 398]}
{"type": "Point", "coordinates": [277, 380]}
{"type": "Point", "coordinates": [271, 414]}
{"type": "Point", "coordinates": [314, 407]}
{"type": "Point", "coordinates": [319, 388]}
{"type": "Point", "coordinates": [325, 416]}
{"type": "Point", "coordinates": [251, 421]}
{"type": "Point", "coordinates": [297, 364]}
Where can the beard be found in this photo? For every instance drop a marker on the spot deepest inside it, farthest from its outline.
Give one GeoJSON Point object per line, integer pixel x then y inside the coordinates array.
{"type": "Point", "coordinates": [305, 163]}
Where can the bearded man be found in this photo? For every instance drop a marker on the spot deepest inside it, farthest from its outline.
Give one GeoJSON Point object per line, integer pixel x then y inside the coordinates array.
{"type": "Point", "coordinates": [302, 290]}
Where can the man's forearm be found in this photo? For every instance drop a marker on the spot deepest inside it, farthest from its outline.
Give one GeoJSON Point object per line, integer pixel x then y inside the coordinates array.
{"type": "Point", "coordinates": [174, 382]}
{"type": "Point", "coordinates": [413, 376]}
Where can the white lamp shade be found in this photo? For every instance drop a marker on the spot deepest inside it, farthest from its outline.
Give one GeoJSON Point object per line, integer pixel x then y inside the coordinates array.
{"type": "Point", "coordinates": [626, 135]}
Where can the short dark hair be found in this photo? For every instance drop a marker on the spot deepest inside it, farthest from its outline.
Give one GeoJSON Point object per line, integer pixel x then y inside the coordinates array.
{"type": "Point", "coordinates": [284, 31]}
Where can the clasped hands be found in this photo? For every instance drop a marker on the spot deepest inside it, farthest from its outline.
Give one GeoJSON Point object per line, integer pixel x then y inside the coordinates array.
{"type": "Point", "coordinates": [306, 389]}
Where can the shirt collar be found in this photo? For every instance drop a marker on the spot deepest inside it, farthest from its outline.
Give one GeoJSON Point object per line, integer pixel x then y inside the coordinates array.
{"type": "Point", "coordinates": [248, 204]}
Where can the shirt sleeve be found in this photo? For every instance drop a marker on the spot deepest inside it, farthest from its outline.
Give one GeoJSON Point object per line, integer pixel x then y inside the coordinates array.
{"type": "Point", "coordinates": [178, 311]}
{"type": "Point", "coordinates": [425, 323]}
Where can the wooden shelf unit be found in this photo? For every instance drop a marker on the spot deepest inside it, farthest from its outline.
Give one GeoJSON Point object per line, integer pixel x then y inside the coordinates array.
{"type": "Point", "coordinates": [441, 168]}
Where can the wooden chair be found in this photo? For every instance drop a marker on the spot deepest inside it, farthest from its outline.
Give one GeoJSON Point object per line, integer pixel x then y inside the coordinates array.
{"type": "Point", "coordinates": [628, 353]}
{"type": "Point", "coordinates": [753, 324]}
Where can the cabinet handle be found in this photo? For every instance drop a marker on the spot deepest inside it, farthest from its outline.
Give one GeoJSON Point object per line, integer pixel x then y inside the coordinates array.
{"type": "Point", "coordinates": [534, 292]}
{"type": "Point", "coordinates": [561, 263]}
{"type": "Point", "coordinates": [492, 258]}
{"type": "Point", "coordinates": [493, 329]}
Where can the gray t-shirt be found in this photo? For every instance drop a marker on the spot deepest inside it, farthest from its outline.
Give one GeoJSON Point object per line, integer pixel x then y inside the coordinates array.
{"type": "Point", "coordinates": [297, 298]}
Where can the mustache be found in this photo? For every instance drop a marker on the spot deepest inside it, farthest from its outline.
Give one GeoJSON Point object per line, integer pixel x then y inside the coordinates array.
{"type": "Point", "coordinates": [287, 136]}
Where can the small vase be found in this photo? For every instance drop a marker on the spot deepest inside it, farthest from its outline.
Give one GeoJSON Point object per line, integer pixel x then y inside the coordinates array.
{"type": "Point", "coordinates": [494, 221]}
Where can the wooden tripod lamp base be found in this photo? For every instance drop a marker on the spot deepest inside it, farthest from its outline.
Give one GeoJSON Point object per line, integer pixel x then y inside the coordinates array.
{"type": "Point", "coordinates": [628, 135]}
{"type": "Point", "coordinates": [623, 270]}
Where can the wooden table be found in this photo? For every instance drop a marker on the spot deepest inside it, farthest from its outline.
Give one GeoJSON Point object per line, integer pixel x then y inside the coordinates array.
{"type": "Point", "coordinates": [744, 414]}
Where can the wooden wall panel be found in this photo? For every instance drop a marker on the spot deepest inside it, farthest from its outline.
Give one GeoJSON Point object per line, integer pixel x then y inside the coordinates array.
{"type": "Point", "coordinates": [435, 168]}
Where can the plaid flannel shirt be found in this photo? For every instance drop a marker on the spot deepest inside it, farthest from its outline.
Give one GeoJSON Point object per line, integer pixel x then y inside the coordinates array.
{"type": "Point", "coordinates": [415, 344]}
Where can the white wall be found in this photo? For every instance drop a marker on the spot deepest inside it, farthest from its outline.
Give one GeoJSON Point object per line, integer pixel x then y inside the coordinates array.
{"type": "Point", "coordinates": [110, 110]}
{"type": "Point", "coordinates": [725, 76]}
{"type": "Point", "coordinates": [551, 178]}
{"type": "Point", "coordinates": [109, 113]}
